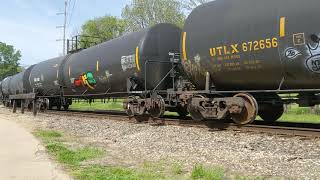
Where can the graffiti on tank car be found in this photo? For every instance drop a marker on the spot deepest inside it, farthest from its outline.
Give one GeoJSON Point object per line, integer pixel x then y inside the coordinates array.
{"type": "Point", "coordinates": [313, 64]}
{"type": "Point", "coordinates": [309, 52]}
{"type": "Point", "coordinates": [86, 80]}
{"type": "Point", "coordinates": [194, 69]}
{"type": "Point", "coordinates": [313, 61]}
{"type": "Point", "coordinates": [56, 83]}
{"type": "Point", "coordinates": [104, 78]}
{"type": "Point", "coordinates": [38, 85]}
{"type": "Point", "coordinates": [128, 62]}
{"type": "Point", "coordinates": [36, 80]}
{"type": "Point", "coordinates": [197, 59]}
{"type": "Point", "coordinates": [107, 74]}
{"type": "Point", "coordinates": [292, 53]}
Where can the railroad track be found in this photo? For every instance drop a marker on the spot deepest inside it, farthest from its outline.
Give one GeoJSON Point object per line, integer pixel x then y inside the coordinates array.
{"type": "Point", "coordinates": [279, 128]}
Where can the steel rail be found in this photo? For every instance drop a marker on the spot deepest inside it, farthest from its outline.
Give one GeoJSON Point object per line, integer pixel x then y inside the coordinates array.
{"type": "Point", "coordinates": [278, 128]}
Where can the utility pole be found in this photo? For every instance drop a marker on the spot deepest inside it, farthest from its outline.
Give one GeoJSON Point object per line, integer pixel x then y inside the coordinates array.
{"type": "Point", "coordinates": [64, 27]}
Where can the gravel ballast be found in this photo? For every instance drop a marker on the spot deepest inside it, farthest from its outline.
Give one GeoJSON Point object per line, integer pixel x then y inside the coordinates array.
{"type": "Point", "coordinates": [130, 144]}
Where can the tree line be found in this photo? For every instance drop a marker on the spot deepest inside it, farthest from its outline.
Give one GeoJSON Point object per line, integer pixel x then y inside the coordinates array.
{"type": "Point", "coordinates": [136, 15]}
{"type": "Point", "coordinates": [9, 60]}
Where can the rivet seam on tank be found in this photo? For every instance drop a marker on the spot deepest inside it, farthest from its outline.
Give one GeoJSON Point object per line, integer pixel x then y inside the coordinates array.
{"type": "Point", "coordinates": [97, 66]}
{"type": "Point", "coordinates": [282, 26]}
{"type": "Point", "coordinates": [137, 58]}
{"type": "Point", "coordinates": [184, 52]}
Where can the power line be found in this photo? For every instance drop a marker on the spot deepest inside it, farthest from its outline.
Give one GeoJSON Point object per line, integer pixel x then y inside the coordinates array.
{"type": "Point", "coordinates": [69, 2]}
{"type": "Point", "coordinates": [72, 10]}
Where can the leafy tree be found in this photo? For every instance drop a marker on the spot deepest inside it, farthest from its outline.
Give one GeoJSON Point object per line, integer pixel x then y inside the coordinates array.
{"type": "Point", "coordinates": [9, 60]}
{"type": "Point", "coordinates": [141, 14]}
{"type": "Point", "coordinates": [101, 29]}
{"type": "Point", "coordinates": [189, 5]}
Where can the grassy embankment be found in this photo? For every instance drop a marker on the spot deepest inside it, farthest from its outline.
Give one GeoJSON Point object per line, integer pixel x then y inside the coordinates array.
{"type": "Point", "coordinates": [73, 159]}
{"type": "Point", "coordinates": [294, 113]}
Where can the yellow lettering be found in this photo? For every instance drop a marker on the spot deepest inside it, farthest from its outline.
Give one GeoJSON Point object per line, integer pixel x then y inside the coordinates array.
{"type": "Point", "coordinates": [213, 52]}
{"type": "Point", "coordinates": [256, 44]}
{"type": "Point", "coordinates": [262, 45]}
{"type": "Point", "coordinates": [220, 50]}
{"type": "Point", "coordinates": [234, 48]}
{"type": "Point", "coordinates": [249, 46]}
{"type": "Point", "coordinates": [268, 43]}
{"type": "Point", "coordinates": [244, 47]}
{"type": "Point", "coordinates": [226, 52]}
{"type": "Point", "coordinates": [274, 42]}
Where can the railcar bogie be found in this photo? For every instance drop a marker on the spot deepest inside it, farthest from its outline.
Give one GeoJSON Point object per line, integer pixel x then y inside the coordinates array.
{"type": "Point", "coordinates": [59, 103]}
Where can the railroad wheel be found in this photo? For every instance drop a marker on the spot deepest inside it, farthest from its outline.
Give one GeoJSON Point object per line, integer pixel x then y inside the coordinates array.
{"type": "Point", "coordinates": [127, 106]}
{"type": "Point", "coordinates": [30, 104]}
{"type": "Point", "coordinates": [194, 110]}
{"type": "Point", "coordinates": [50, 105]}
{"type": "Point", "coordinates": [59, 107]}
{"type": "Point", "coordinates": [66, 107]}
{"type": "Point", "coordinates": [249, 112]}
{"type": "Point", "coordinates": [182, 111]}
{"type": "Point", "coordinates": [272, 111]}
{"type": "Point", "coordinates": [157, 108]}
{"type": "Point", "coordinates": [43, 107]}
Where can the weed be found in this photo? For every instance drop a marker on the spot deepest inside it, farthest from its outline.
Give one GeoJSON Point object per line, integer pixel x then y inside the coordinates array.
{"type": "Point", "coordinates": [177, 169]}
{"type": "Point", "coordinates": [200, 172]}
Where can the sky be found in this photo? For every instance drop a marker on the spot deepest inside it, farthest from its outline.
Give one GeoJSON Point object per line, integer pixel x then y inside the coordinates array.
{"type": "Point", "coordinates": [30, 25]}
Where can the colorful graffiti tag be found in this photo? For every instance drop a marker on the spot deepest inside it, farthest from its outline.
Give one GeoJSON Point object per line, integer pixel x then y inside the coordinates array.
{"type": "Point", "coordinates": [86, 80]}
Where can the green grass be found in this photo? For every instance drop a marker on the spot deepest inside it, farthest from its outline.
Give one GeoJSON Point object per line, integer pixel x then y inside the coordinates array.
{"type": "Point", "coordinates": [300, 115]}
{"type": "Point", "coordinates": [48, 134]}
{"type": "Point", "coordinates": [297, 114]}
{"type": "Point", "coordinates": [203, 173]}
{"type": "Point", "coordinates": [107, 173]}
{"type": "Point", "coordinates": [300, 118]}
{"type": "Point", "coordinates": [98, 105]}
{"type": "Point", "coordinates": [116, 173]}
{"type": "Point", "coordinates": [72, 159]}
{"type": "Point", "coordinates": [177, 169]}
